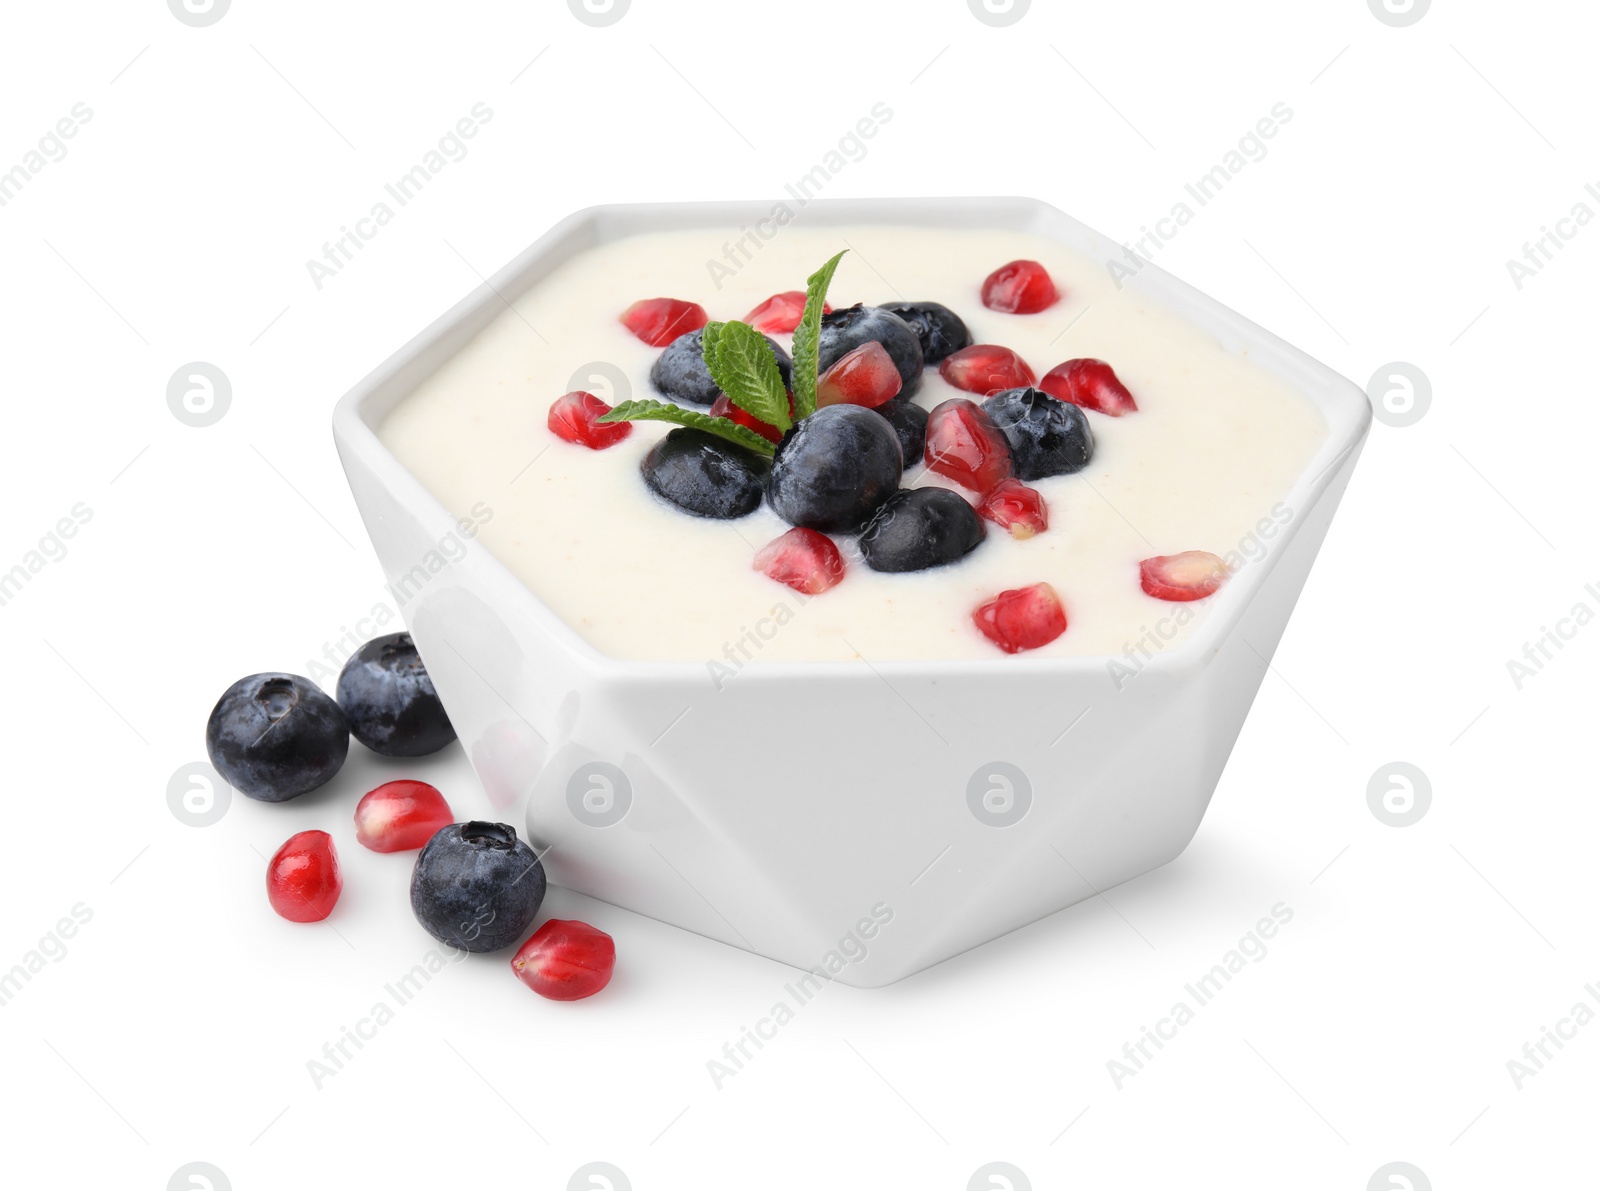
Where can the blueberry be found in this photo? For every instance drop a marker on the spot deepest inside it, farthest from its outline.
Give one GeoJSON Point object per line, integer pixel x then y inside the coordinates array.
{"type": "Point", "coordinates": [1047, 437]}
{"type": "Point", "coordinates": [476, 886]}
{"type": "Point", "coordinates": [910, 422]}
{"type": "Point", "coordinates": [386, 694]}
{"type": "Point", "coordinates": [705, 475]}
{"type": "Point", "coordinates": [920, 528]}
{"type": "Point", "coordinates": [679, 372]}
{"type": "Point", "coordinates": [275, 736]}
{"type": "Point", "coordinates": [938, 328]}
{"type": "Point", "coordinates": [845, 330]}
{"type": "Point", "coordinates": [834, 468]}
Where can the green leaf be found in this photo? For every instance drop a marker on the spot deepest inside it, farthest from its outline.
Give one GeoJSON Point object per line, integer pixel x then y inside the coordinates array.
{"type": "Point", "coordinates": [806, 337]}
{"type": "Point", "coordinates": [740, 360]}
{"type": "Point", "coordinates": [658, 411]}
{"type": "Point", "coordinates": [709, 335]}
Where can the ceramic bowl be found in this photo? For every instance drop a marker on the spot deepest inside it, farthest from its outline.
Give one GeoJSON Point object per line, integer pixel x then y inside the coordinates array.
{"type": "Point", "coordinates": [940, 804]}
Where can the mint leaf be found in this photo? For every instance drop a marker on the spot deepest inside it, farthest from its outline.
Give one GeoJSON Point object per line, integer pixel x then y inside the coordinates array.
{"type": "Point", "coordinates": [806, 337]}
{"type": "Point", "coordinates": [657, 411]}
{"type": "Point", "coordinates": [740, 360]}
{"type": "Point", "coordinates": [709, 335]}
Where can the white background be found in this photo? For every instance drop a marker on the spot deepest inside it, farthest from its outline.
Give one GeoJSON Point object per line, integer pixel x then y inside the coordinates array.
{"type": "Point", "coordinates": [178, 1024]}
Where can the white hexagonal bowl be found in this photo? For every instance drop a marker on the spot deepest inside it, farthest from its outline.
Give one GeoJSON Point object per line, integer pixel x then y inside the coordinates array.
{"type": "Point", "coordinates": [862, 857]}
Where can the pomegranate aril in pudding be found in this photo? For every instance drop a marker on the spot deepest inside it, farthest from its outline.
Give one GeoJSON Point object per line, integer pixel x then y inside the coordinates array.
{"type": "Point", "coordinates": [803, 559]}
{"type": "Point", "coordinates": [966, 446]}
{"type": "Point", "coordinates": [863, 376]}
{"type": "Point", "coordinates": [986, 368]}
{"type": "Point", "coordinates": [1089, 383]}
{"type": "Point", "coordinates": [566, 960]}
{"type": "Point", "coordinates": [1192, 575]}
{"type": "Point", "coordinates": [1021, 287]}
{"type": "Point", "coordinates": [658, 321]}
{"type": "Point", "coordinates": [401, 816]}
{"type": "Point", "coordinates": [303, 880]}
{"type": "Point", "coordinates": [780, 314]}
{"type": "Point", "coordinates": [722, 407]}
{"type": "Point", "coordinates": [1024, 618]}
{"type": "Point", "coordinates": [1015, 507]}
{"type": "Point", "coordinates": [575, 418]}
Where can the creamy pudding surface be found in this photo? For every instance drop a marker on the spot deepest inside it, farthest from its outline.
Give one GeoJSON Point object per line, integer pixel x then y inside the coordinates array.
{"type": "Point", "coordinates": [1204, 463]}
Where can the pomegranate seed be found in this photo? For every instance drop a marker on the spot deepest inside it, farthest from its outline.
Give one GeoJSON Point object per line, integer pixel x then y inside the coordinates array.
{"type": "Point", "coordinates": [1091, 384]}
{"type": "Point", "coordinates": [803, 559]}
{"type": "Point", "coordinates": [1015, 506]}
{"type": "Point", "coordinates": [986, 368]}
{"type": "Point", "coordinates": [965, 445]}
{"type": "Point", "coordinates": [780, 314]}
{"type": "Point", "coordinates": [1021, 287]}
{"type": "Point", "coordinates": [400, 816]}
{"type": "Point", "coordinates": [1024, 618]}
{"type": "Point", "coordinates": [1192, 575]}
{"type": "Point", "coordinates": [658, 321]}
{"type": "Point", "coordinates": [566, 960]}
{"type": "Point", "coordinates": [863, 376]}
{"type": "Point", "coordinates": [303, 880]}
{"type": "Point", "coordinates": [575, 417]}
{"type": "Point", "coordinates": [722, 407]}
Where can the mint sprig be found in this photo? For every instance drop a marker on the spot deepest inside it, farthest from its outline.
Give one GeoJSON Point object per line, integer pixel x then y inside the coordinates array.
{"type": "Point", "coordinates": [659, 411]}
{"type": "Point", "coordinates": [709, 334]}
{"type": "Point", "coordinates": [740, 360]}
{"type": "Point", "coordinates": [742, 363]}
{"type": "Point", "coordinates": [807, 338]}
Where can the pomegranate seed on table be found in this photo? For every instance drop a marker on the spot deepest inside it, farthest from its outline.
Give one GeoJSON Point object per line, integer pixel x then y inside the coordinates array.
{"type": "Point", "coordinates": [803, 559]}
{"type": "Point", "coordinates": [865, 375]}
{"type": "Point", "coordinates": [965, 445]}
{"type": "Point", "coordinates": [780, 314]}
{"type": "Point", "coordinates": [722, 407]}
{"type": "Point", "coordinates": [303, 880]}
{"type": "Point", "coordinates": [658, 321]}
{"type": "Point", "coordinates": [1089, 383]}
{"type": "Point", "coordinates": [986, 368]}
{"type": "Point", "coordinates": [1021, 287]}
{"type": "Point", "coordinates": [575, 418]}
{"type": "Point", "coordinates": [400, 816]}
{"type": "Point", "coordinates": [566, 960]}
{"type": "Point", "coordinates": [1191, 575]}
{"type": "Point", "coordinates": [1014, 506]}
{"type": "Point", "coordinates": [1024, 618]}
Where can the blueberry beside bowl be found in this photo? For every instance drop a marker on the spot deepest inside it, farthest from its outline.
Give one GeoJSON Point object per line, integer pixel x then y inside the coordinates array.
{"type": "Point", "coordinates": [389, 700]}
{"type": "Point", "coordinates": [276, 736]}
{"type": "Point", "coordinates": [476, 886]}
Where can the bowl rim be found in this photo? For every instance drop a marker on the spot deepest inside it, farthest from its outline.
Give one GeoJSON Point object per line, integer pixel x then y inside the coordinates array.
{"type": "Point", "coordinates": [357, 415]}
